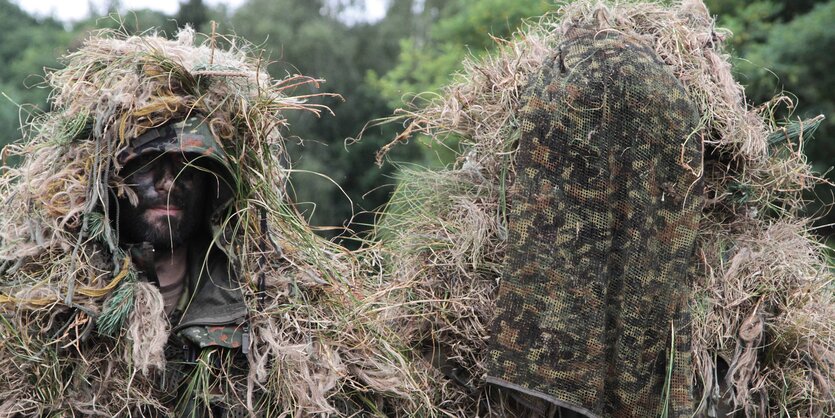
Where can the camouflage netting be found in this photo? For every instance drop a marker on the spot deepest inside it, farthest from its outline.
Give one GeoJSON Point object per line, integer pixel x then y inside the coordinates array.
{"type": "Point", "coordinates": [601, 231]}
{"type": "Point", "coordinates": [763, 309]}
{"type": "Point", "coordinates": [81, 334]}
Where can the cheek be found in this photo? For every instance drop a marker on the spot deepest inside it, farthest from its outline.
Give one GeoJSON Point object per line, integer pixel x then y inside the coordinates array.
{"type": "Point", "coordinates": [183, 187]}
{"type": "Point", "coordinates": [192, 181]}
{"type": "Point", "coordinates": [142, 184]}
{"type": "Point", "coordinates": [142, 179]}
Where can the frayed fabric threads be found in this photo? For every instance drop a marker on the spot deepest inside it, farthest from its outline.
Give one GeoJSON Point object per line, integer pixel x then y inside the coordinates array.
{"type": "Point", "coordinates": [148, 329]}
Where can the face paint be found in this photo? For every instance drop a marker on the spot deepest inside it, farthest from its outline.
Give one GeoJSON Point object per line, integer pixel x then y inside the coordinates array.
{"type": "Point", "coordinates": [171, 194]}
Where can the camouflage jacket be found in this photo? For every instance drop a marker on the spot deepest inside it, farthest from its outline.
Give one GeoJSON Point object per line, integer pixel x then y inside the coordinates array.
{"type": "Point", "coordinates": [211, 311]}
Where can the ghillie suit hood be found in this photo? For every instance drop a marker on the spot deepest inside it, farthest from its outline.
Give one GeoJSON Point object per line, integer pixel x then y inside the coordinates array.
{"type": "Point", "coordinates": [762, 295]}
{"type": "Point", "coordinates": [82, 334]}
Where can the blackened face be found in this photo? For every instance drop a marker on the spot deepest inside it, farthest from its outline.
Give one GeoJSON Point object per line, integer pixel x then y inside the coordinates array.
{"type": "Point", "coordinates": [171, 194]}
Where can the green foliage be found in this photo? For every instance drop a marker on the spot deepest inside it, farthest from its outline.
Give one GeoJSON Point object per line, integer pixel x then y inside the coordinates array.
{"type": "Point", "coordinates": [28, 45]}
{"type": "Point", "coordinates": [418, 70]}
{"type": "Point", "coordinates": [117, 307]}
{"type": "Point", "coordinates": [470, 21]}
{"type": "Point", "coordinates": [307, 37]}
{"type": "Point", "coordinates": [194, 13]}
{"type": "Point", "coordinates": [795, 56]}
{"type": "Point", "coordinates": [462, 27]}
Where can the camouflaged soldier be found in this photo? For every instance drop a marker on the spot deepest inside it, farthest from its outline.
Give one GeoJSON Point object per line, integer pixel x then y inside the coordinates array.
{"type": "Point", "coordinates": [180, 178]}
{"type": "Point", "coordinates": [592, 313]}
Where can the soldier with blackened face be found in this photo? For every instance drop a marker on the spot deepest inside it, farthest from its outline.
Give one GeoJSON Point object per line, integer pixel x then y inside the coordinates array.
{"type": "Point", "coordinates": [178, 187]}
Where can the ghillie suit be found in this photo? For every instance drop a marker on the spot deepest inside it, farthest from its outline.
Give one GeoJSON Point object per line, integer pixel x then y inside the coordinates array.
{"type": "Point", "coordinates": [83, 333]}
{"type": "Point", "coordinates": [479, 241]}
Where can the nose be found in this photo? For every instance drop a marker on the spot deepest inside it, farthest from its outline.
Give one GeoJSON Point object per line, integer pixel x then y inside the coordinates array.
{"type": "Point", "coordinates": [164, 177]}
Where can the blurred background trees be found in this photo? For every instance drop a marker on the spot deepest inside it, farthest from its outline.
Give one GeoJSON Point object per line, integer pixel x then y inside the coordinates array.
{"type": "Point", "coordinates": [781, 46]}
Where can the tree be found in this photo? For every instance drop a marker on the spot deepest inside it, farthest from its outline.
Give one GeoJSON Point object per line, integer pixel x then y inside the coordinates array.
{"type": "Point", "coordinates": [194, 13]}
{"type": "Point", "coordinates": [29, 45]}
{"type": "Point", "coordinates": [783, 47]}
{"type": "Point", "coordinates": [307, 37]}
{"type": "Point", "coordinates": [453, 30]}
{"type": "Point", "coordinates": [456, 28]}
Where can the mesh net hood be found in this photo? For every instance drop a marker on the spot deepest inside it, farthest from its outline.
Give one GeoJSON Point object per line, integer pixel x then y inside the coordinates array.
{"type": "Point", "coordinates": [604, 214]}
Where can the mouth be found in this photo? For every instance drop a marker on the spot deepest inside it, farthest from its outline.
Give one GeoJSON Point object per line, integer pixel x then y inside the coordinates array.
{"type": "Point", "coordinates": [164, 211]}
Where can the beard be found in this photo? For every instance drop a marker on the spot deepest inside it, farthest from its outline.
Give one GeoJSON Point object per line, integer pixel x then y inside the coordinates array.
{"type": "Point", "coordinates": [164, 230]}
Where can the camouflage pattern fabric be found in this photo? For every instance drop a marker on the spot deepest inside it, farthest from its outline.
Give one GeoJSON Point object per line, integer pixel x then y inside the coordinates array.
{"type": "Point", "coordinates": [604, 213]}
{"type": "Point", "coordinates": [188, 136]}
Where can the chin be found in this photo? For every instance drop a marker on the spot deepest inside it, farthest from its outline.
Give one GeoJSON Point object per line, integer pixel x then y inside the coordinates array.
{"type": "Point", "coordinates": [160, 236]}
{"type": "Point", "coordinates": [163, 232]}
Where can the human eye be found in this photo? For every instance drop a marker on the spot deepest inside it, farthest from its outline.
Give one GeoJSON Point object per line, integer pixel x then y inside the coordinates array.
{"type": "Point", "coordinates": [189, 161]}
{"type": "Point", "coordinates": [141, 164]}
